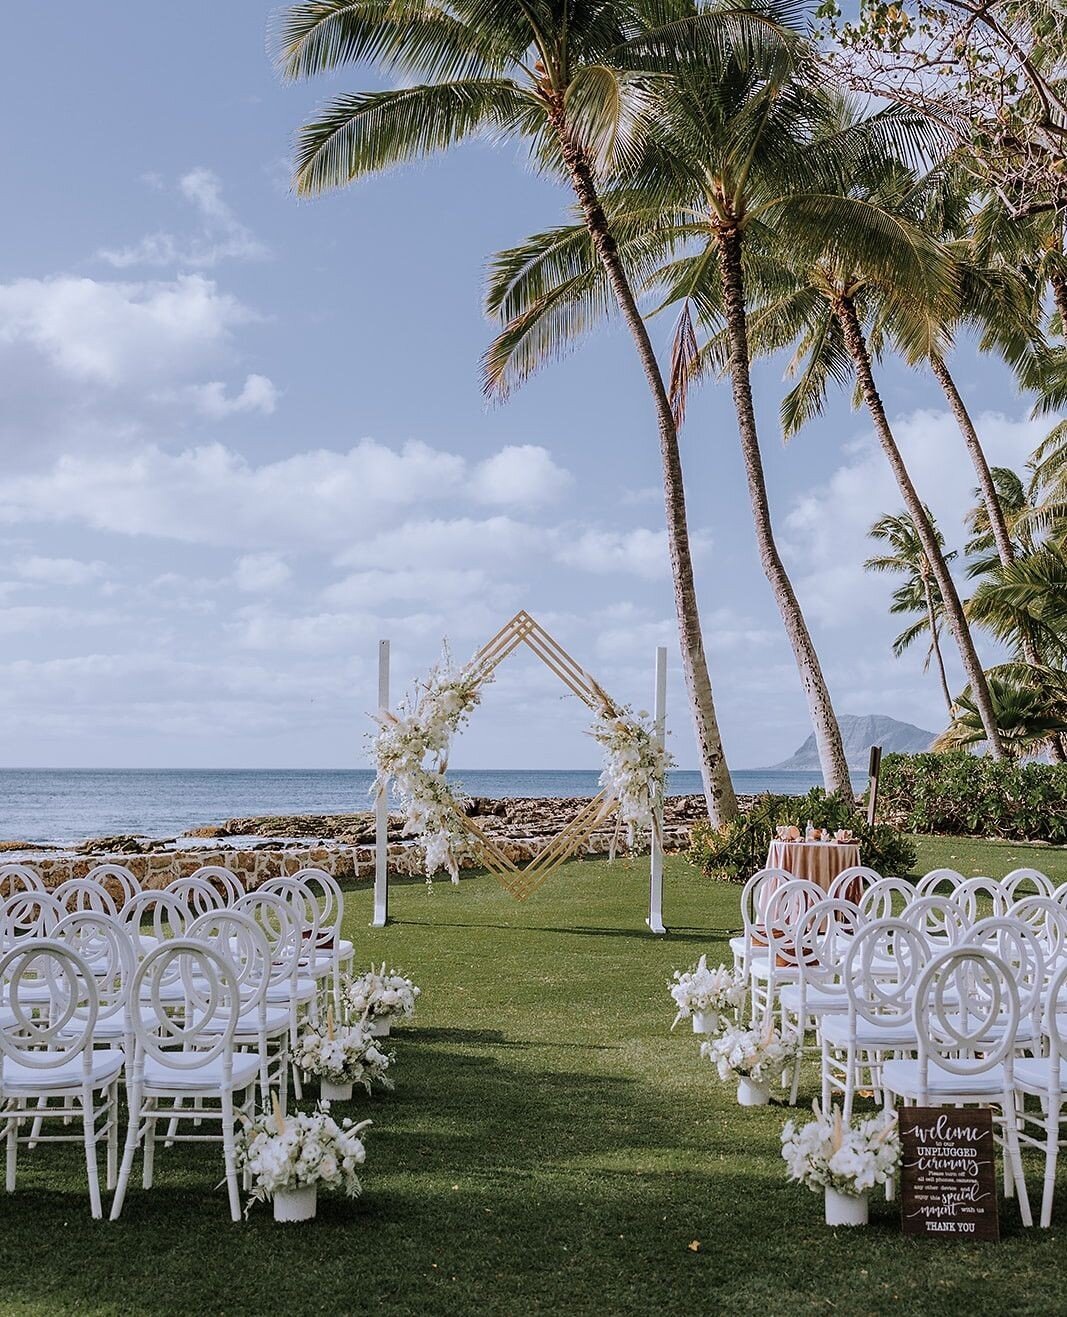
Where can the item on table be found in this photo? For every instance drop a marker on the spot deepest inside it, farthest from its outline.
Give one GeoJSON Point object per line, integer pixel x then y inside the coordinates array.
{"type": "Point", "coordinates": [843, 836]}
{"type": "Point", "coordinates": [788, 832]}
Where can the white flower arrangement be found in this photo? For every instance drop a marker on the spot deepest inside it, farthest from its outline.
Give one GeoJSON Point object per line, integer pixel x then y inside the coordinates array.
{"type": "Point", "coordinates": [381, 994]}
{"type": "Point", "coordinates": [757, 1054]}
{"type": "Point", "coordinates": [300, 1150]}
{"type": "Point", "coordinates": [851, 1159]}
{"type": "Point", "coordinates": [699, 990]}
{"type": "Point", "coordinates": [410, 750]}
{"type": "Point", "coordinates": [635, 766]}
{"type": "Point", "coordinates": [348, 1054]}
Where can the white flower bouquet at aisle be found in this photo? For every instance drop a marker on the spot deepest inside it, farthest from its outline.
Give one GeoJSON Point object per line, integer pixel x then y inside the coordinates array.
{"type": "Point", "coordinates": [704, 994]}
{"type": "Point", "coordinates": [287, 1158]}
{"type": "Point", "coordinates": [846, 1161]}
{"type": "Point", "coordinates": [411, 749]}
{"type": "Point", "coordinates": [635, 767]}
{"type": "Point", "coordinates": [381, 998]}
{"type": "Point", "coordinates": [342, 1056]}
{"type": "Point", "coordinates": [754, 1057]}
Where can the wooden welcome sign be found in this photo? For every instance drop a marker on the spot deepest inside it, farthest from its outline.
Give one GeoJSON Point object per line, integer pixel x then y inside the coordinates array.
{"type": "Point", "coordinates": [948, 1182]}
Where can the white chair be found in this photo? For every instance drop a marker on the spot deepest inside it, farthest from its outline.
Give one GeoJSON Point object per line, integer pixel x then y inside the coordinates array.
{"type": "Point", "coordinates": [85, 894]}
{"type": "Point", "coordinates": [881, 972]}
{"type": "Point", "coordinates": [166, 916]}
{"type": "Point", "coordinates": [18, 878]}
{"type": "Point", "coordinates": [966, 1013]}
{"type": "Point", "coordinates": [48, 1056]}
{"type": "Point", "coordinates": [120, 878]}
{"type": "Point", "coordinates": [332, 951]}
{"type": "Point", "coordinates": [973, 892]}
{"type": "Point", "coordinates": [936, 879]}
{"type": "Point", "coordinates": [885, 898]}
{"type": "Point", "coordinates": [31, 913]}
{"type": "Point", "coordinates": [104, 944]}
{"type": "Point", "coordinates": [225, 880]}
{"type": "Point", "coordinates": [851, 883]}
{"type": "Point", "coordinates": [783, 911]}
{"type": "Point", "coordinates": [1045, 1077]}
{"type": "Point", "coordinates": [941, 920]}
{"type": "Point", "coordinates": [754, 895]}
{"type": "Point", "coordinates": [1027, 882]}
{"type": "Point", "coordinates": [197, 894]}
{"type": "Point", "coordinates": [1048, 919]}
{"type": "Point", "coordinates": [187, 1055]}
{"type": "Point", "coordinates": [1019, 947]}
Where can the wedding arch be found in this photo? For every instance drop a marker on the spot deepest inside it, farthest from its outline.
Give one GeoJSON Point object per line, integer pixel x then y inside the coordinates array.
{"type": "Point", "coordinates": [632, 785]}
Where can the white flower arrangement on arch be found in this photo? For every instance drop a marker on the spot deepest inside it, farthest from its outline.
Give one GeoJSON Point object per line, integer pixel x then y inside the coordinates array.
{"type": "Point", "coordinates": [700, 990]}
{"type": "Point", "coordinates": [300, 1151]}
{"type": "Point", "coordinates": [411, 751]}
{"type": "Point", "coordinates": [827, 1153]}
{"type": "Point", "coordinates": [635, 767]}
{"type": "Point", "coordinates": [758, 1054]}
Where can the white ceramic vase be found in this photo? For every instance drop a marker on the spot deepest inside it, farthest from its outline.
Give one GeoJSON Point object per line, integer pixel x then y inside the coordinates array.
{"type": "Point", "coordinates": [845, 1209]}
{"type": "Point", "coordinates": [705, 1021]}
{"type": "Point", "coordinates": [296, 1204]}
{"type": "Point", "coordinates": [380, 1028]}
{"type": "Point", "coordinates": [335, 1092]}
{"type": "Point", "coordinates": [752, 1093]}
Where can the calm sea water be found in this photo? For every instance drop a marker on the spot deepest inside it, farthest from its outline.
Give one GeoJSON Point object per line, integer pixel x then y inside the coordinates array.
{"type": "Point", "coordinates": [68, 805]}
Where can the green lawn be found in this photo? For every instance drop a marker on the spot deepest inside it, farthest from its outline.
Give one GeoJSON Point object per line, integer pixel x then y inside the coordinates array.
{"type": "Point", "coordinates": [550, 1147]}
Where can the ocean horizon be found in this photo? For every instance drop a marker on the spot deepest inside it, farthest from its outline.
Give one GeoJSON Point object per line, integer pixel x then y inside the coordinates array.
{"type": "Point", "coordinates": [61, 806]}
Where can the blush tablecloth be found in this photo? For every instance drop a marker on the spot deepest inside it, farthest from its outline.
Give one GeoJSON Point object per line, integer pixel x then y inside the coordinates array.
{"type": "Point", "coordinates": [817, 861]}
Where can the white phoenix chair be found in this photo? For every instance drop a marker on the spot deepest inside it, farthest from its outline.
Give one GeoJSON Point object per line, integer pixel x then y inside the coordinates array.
{"type": "Point", "coordinates": [936, 878]}
{"type": "Point", "coordinates": [167, 917]}
{"type": "Point", "coordinates": [225, 880]}
{"type": "Point", "coordinates": [120, 877]}
{"type": "Point", "coordinates": [18, 878]}
{"type": "Point", "coordinates": [880, 974]}
{"type": "Point", "coordinates": [85, 894]}
{"type": "Point", "coordinates": [972, 891]}
{"type": "Point", "coordinates": [783, 911]}
{"type": "Point", "coordinates": [287, 987]}
{"type": "Point", "coordinates": [1048, 919]}
{"type": "Point", "coordinates": [966, 1013]}
{"type": "Point", "coordinates": [197, 894]}
{"type": "Point", "coordinates": [883, 899]}
{"type": "Point", "coordinates": [941, 920]}
{"type": "Point", "coordinates": [754, 896]}
{"type": "Point", "coordinates": [105, 946]}
{"type": "Point", "coordinates": [303, 908]}
{"type": "Point", "coordinates": [1015, 884]}
{"type": "Point", "coordinates": [31, 913]}
{"type": "Point", "coordinates": [332, 951]}
{"type": "Point", "coordinates": [187, 1056]}
{"type": "Point", "coordinates": [1019, 947]}
{"type": "Point", "coordinates": [851, 883]}
{"type": "Point", "coordinates": [48, 1055]}
{"type": "Point", "coordinates": [1045, 1078]}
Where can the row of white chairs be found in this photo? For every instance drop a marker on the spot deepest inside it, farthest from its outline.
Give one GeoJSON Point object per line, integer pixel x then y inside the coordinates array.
{"type": "Point", "coordinates": [199, 1009]}
{"type": "Point", "coordinates": [920, 994]}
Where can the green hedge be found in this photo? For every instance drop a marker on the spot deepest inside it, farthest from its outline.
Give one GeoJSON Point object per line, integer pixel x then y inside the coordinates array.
{"type": "Point", "coordinates": [737, 850]}
{"type": "Point", "coordinates": [975, 796]}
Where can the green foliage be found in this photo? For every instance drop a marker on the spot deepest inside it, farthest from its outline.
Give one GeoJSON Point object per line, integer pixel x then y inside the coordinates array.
{"type": "Point", "coordinates": [968, 795]}
{"type": "Point", "coordinates": [737, 850]}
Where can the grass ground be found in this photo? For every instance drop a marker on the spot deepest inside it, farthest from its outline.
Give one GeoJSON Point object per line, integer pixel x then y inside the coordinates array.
{"type": "Point", "coordinates": [550, 1148]}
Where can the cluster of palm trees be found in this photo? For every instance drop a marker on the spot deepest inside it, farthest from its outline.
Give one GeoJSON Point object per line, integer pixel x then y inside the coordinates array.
{"type": "Point", "coordinates": [714, 171]}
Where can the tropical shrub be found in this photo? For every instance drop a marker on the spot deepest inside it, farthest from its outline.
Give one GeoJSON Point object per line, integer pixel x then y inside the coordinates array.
{"type": "Point", "coordinates": [971, 795]}
{"type": "Point", "coordinates": [736, 850]}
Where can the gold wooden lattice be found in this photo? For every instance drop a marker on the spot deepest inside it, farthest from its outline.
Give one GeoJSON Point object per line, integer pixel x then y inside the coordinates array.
{"type": "Point", "coordinates": [523, 630]}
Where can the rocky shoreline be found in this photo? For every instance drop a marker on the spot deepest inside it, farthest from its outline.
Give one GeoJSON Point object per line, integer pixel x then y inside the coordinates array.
{"type": "Point", "coordinates": [265, 846]}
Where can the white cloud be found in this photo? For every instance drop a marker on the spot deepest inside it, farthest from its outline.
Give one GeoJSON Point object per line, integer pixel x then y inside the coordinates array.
{"type": "Point", "coordinates": [21, 618]}
{"type": "Point", "coordinates": [430, 585]}
{"type": "Point", "coordinates": [827, 527]}
{"type": "Point", "coordinates": [213, 495]}
{"type": "Point", "coordinates": [636, 552]}
{"type": "Point", "coordinates": [258, 395]}
{"type": "Point", "coordinates": [221, 237]}
{"type": "Point", "coordinates": [519, 475]}
{"type": "Point", "coordinates": [58, 571]}
{"type": "Point", "coordinates": [457, 542]}
{"type": "Point", "coordinates": [259, 573]}
{"type": "Point", "coordinates": [118, 333]}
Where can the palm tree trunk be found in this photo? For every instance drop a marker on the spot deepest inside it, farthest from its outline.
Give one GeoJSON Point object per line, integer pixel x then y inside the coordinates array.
{"type": "Point", "coordinates": [718, 788]}
{"type": "Point", "coordinates": [856, 345]}
{"type": "Point", "coordinates": [994, 511]}
{"type": "Point", "coordinates": [820, 708]}
{"type": "Point", "coordinates": [935, 645]}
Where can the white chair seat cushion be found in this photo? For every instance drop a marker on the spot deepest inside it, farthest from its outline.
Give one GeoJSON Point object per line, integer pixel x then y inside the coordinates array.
{"type": "Point", "coordinates": [305, 990]}
{"type": "Point", "coordinates": [248, 1024]}
{"type": "Point", "coordinates": [895, 1034]}
{"type": "Point", "coordinates": [206, 1077]}
{"type": "Point", "coordinates": [760, 968]}
{"type": "Point", "coordinates": [817, 1001]}
{"type": "Point", "coordinates": [1033, 1073]}
{"type": "Point", "coordinates": [105, 1067]}
{"type": "Point", "coordinates": [903, 1077]}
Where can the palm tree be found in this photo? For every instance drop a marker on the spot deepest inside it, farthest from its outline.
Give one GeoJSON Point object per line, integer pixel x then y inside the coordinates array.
{"type": "Point", "coordinates": [723, 154]}
{"type": "Point", "coordinates": [564, 76]}
{"type": "Point", "coordinates": [1030, 715]}
{"type": "Point", "coordinates": [919, 592]}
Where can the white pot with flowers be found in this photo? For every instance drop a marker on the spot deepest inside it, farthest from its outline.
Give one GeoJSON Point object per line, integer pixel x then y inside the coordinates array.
{"type": "Point", "coordinates": [340, 1056]}
{"type": "Point", "coordinates": [844, 1160]}
{"type": "Point", "coordinates": [287, 1158]}
{"type": "Point", "coordinates": [703, 994]}
{"type": "Point", "coordinates": [754, 1057]}
{"type": "Point", "coordinates": [381, 998]}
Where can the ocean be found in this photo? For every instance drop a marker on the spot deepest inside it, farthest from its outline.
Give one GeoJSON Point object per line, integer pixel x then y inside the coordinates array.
{"type": "Point", "coordinates": [58, 806]}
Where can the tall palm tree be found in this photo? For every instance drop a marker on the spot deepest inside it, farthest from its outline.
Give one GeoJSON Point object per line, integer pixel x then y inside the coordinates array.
{"type": "Point", "coordinates": [1030, 715]}
{"type": "Point", "coordinates": [727, 149]}
{"type": "Point", "coordinates": [919, 592]}
{"type": "Point", "coordinates": [563, 75]}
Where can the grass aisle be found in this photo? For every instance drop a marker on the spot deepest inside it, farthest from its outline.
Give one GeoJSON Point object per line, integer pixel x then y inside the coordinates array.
{"type": "Point", "coordinates": [550, 1147]}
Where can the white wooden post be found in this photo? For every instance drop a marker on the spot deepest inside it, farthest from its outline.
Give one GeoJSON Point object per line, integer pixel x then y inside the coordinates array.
{"type": "Point", "coordinates": [381, 808]}
{"type": "Point", "coordinates": [655, 893]}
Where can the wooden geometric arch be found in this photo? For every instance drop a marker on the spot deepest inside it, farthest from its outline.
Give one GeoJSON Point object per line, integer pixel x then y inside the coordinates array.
{"type": "Point", "coordinates": [520, 882]}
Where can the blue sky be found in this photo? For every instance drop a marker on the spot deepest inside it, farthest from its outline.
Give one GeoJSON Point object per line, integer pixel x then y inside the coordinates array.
{"type": "Point", "coordinates": [244, 437]}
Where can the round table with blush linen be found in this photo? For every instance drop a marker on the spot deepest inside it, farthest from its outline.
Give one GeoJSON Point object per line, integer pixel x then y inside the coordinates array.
{"type": "Point", "coordinates": [818, 861]}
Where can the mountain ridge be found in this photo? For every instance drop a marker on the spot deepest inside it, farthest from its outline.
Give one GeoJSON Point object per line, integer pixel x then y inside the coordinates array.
{"type": "Point", "coordinates": [858, 733]}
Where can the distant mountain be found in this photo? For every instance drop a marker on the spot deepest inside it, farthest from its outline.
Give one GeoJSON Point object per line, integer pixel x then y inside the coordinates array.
{"type": "Point", "coordinates": [859, 734]}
